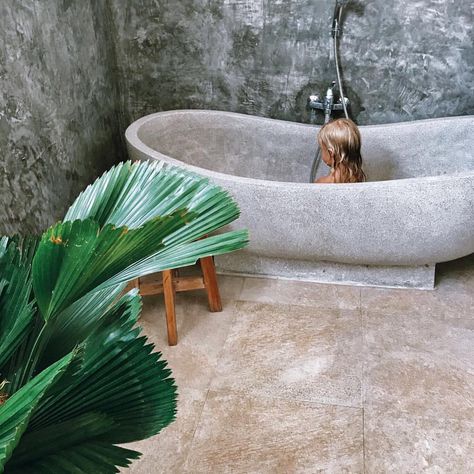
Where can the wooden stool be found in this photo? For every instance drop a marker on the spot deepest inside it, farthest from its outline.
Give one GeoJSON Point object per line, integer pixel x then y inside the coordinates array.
{"type": "Point", "coordinates": [172, 282]}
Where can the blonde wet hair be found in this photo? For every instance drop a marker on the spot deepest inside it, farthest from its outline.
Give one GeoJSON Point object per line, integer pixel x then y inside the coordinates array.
{"type": "Point", "coordinates": [341, 137]}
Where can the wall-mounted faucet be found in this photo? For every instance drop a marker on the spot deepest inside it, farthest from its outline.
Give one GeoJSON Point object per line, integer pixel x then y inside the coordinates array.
{"type": "Point", "coordinates": [327, 104]}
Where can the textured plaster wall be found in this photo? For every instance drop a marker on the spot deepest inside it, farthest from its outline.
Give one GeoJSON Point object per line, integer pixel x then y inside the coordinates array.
{"type": "Point", "coordinates": [74, 74]}
{"type": "Point", "coordinates": [403, 59]}
{"type": "Point", "coordinates": [58, 107]}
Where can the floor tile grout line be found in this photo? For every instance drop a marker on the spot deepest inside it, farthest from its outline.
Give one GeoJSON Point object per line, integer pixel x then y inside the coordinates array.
{"type": "Point", "coordinates": [334, 307]}
{"type": "Point", "coordinates": [198, 422]}
{"type": "Point", "coordinates": [363, 441]}
{"type": "Point", "coordinates": [363, 381]}
{"type": "Point", "coordinates": [233, 391]}
{"type": "Point", "coordinates": [363, 351]}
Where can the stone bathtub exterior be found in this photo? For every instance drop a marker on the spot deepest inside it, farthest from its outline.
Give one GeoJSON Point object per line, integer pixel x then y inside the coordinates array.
{"type": "Point", "coordinates": [417, 208]}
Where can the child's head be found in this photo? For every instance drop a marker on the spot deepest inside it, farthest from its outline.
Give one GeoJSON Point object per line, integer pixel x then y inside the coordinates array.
{"type": "Point", "coordinates": [340, 147]}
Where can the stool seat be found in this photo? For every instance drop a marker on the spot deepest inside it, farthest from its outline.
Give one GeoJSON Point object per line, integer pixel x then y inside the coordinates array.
{"type": "Point", "coordinates": [172, 282]}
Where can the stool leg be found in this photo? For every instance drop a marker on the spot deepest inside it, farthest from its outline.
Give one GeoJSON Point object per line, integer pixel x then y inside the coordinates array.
{"type": "Point", "coordinates": [136, 283]}
{"type": "Point", "coordinates": [210, 281]}
{"type": "Point", "coordinates": [169, 294]}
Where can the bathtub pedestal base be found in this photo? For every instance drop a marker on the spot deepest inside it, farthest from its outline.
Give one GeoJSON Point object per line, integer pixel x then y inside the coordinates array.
{"type": "Point", "coordinates": [241, 263]}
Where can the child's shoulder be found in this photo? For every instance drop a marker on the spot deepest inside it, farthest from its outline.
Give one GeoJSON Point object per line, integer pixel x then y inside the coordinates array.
{"type": "Point", "coordinates": [325, 179]}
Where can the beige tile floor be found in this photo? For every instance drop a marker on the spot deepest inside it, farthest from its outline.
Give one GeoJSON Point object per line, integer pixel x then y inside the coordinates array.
{"type": "Point", "coordinates": [298, 377]}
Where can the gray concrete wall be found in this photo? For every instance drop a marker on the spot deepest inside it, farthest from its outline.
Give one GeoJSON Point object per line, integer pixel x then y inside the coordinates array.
{"type": "Point", "coordinates": [73, 74]}
{"type": "Point", "coordinates": [58, 107]}
{"type": "Point", "coordinates": [403, 59]}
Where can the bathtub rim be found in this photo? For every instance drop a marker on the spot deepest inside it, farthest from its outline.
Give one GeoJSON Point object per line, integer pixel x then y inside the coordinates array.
{"type": "Point", "coordinates": [132, 139]}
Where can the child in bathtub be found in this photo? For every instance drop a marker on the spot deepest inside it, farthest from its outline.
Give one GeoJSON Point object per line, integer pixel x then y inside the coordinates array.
{"type": "Point", "coordinates": [340, 149]}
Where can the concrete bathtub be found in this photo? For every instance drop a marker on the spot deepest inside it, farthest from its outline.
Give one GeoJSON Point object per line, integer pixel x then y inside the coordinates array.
{"type": "Point", "coordinates": [416, 209]}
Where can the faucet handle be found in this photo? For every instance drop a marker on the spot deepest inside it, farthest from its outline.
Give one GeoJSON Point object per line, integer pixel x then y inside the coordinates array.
{"type": "Point", "coordinates": [339, 106]}
{"type": "Point", "coordinates": [314, 102]}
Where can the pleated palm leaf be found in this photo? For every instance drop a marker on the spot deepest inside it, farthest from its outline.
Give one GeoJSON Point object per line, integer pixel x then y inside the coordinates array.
{"type": "Point", "coordinates": [76, 377]}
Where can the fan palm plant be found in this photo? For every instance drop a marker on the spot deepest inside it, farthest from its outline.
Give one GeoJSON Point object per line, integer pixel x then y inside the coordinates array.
{"type": "Point", "coordinates": [76, 377]}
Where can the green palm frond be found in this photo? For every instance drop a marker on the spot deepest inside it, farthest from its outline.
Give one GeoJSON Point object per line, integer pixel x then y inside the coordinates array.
{"type": "Point", "coordinates": [132, 194]}
{"type": "Point", "coordinates": [162, 208]}
{"type": "Point", "coordinates": [75, 257]}
{"type": "Point", "coordinates": [119, 377]}
{"type": "Point", "coordinates": [184, 254]}
{"type": "Point", "coordinates": [16, 412]}
{"type": "Point", "coordinates": [77, 321]}
{"type": "Point", "coordinates": [16, 307]}
{"type": "Point", "coordinates": [36, 444]}
{"type": "Point", "coordinates": [81, 378]}
{"type": "Point", "coordinates": [82, 458]}
{"type": "Point", "coordinates": [121, 392]}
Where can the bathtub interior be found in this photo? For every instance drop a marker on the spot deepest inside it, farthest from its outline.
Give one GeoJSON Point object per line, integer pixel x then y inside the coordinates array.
{"type": "Point", "coordinates": [232, 144]}
{"type": "Point", "coordinates": [283, 151]}
{"type": "Point", "coordinates": [418, 149]}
